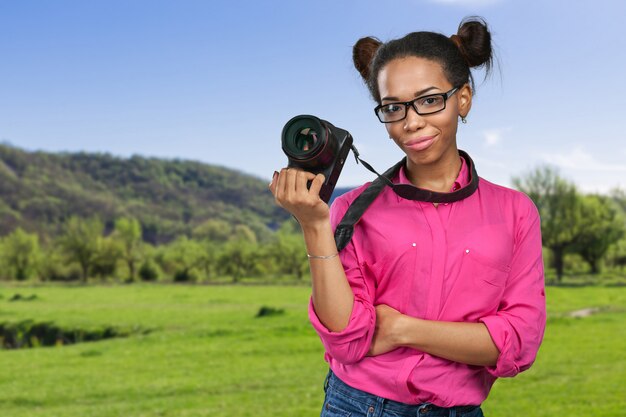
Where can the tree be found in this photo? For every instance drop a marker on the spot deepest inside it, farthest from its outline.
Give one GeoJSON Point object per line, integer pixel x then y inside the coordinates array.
{"type": "Point", "coordinates": [617, 254]}
{"type": "Point", "coordinates": [183, 255]}
{"type": "Point", "coordinates": [81, 242]}
{"type": "Point", "coordinates": [243, 232]}
{"type": "Point", "coordinates": [209, 260]}
{"type": "Point", "coordinates": [559, 206]}
{"type": "Point", "coordinates": [601, 225]}
{"type": "Point", "coordinates": [289, 251]}
{"type": "Point", "coordinates": [128, 234]}
{"type": "Point", "coordinates": [213, 229]}
{"type": "Point", "coordinates": [21, 254]}
{"type": "Point", "coordinates": [105, 262]}
{"type": "Point", "coordinates": [238, 258]}
{"type": "Point", "coordinates": [618, 195]}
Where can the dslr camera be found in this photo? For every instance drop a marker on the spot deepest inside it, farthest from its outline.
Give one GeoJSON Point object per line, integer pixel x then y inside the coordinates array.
{"type": "Point", "coordinates": [316, 146]}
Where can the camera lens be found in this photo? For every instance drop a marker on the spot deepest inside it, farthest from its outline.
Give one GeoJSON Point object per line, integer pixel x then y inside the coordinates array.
{"type": "Point", "coordinates": [306, 139]}
{"type": "Point", "coordinates": [307, 143]}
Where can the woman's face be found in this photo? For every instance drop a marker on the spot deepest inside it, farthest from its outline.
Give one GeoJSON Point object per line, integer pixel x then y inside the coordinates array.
{"type": "Point", "coordinates": [430, 138]}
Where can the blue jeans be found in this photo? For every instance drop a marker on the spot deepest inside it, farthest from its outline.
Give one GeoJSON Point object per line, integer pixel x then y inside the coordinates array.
{"type": "Point", "coordinates": [344, 401]}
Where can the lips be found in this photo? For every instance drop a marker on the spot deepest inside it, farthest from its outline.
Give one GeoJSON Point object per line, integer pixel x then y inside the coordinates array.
{"type": "Point", "coordinates": [421, 143]}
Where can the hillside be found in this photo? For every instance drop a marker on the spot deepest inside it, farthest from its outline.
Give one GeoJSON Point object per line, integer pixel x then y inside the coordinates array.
{"type": "Point", "coordinates": [40, 190]}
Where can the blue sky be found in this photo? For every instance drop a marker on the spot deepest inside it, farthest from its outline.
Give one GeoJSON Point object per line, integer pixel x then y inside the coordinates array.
{"type": "Point", "coordinates": [216, 81]}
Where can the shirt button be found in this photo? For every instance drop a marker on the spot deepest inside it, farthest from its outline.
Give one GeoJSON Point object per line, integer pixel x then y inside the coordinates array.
{"type": "Point", "coordinates": [466, 250]}
{"type": "Point", "coordinates": [414, 244]}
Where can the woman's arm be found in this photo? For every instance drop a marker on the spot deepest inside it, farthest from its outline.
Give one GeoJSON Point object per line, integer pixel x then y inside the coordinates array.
{"type": "Point", "coordinates": [341, 309]}
{"type": "Point", "coordinates": [332, 296]}
{"type": "Point", "coordinates": [468, 343]}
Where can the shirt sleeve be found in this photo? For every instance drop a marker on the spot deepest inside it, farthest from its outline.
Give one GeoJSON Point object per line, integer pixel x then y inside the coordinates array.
{"type": "Point", "coordinates": [352, 343]}
{"type": "Point", "coordinates": [518, 326]}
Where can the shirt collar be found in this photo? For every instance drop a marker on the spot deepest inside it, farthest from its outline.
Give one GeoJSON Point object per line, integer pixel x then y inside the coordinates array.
{"type": "Point", "coordinates": [461, 180]}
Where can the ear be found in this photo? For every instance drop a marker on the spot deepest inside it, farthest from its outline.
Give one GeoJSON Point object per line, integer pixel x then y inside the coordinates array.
{"type": "Point", "coordinates": [465, 100]}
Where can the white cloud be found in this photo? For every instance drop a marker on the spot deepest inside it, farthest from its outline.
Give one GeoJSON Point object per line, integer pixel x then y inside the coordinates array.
{"type": "Point", "coordinates": [494, 136]}
{"type": "Point", "coordinates": [578, 159]}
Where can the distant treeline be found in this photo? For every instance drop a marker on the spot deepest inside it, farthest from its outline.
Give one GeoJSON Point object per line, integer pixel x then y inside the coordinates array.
{"type": "Point", "coordinates": [215, 249]}
{"type": "Point", "coordinates": [41, 191]}
{"type": "Point", "coordinates": [78, 217]}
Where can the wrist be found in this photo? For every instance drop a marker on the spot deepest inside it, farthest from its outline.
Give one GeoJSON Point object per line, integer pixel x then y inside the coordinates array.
{"type": "Point", "coordinates": [316, 227]}
{"type": "Point", "coordinates": [406, 331]}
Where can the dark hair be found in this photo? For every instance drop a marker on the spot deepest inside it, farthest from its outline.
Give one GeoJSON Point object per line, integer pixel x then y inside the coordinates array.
{"type": "Point", "coordinates": [470, 47]}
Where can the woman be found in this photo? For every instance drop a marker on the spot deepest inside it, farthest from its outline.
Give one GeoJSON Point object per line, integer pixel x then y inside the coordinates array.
{"type": "Point", "coordinates": [430, 302]}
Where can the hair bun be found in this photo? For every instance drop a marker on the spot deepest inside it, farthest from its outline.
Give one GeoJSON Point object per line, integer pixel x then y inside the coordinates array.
{"type": "Point", "coordinates": [363, 53]}
{"type": "Point", "coordinates": [474, 42]}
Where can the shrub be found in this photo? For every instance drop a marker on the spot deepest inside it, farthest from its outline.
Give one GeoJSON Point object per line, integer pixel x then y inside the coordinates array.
{"type": "Point", "coordinates": [266, 311]}
{"type": "Point", "coordinates": [149, 271]}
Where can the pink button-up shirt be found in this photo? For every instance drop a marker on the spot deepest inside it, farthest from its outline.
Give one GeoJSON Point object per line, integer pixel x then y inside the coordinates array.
{"type": "Point", "coordinates": [474, 260]}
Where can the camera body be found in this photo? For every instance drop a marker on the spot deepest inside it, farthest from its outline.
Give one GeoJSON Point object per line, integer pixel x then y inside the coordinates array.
{"type": "Point", "coordinates": [316, 146]}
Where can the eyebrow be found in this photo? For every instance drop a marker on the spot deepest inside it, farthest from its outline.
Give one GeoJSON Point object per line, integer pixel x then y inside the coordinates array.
{"type": "Point", "coordinates": [417, 94]}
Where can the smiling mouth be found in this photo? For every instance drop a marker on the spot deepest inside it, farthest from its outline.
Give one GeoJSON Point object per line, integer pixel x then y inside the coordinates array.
{"type": "Point", "coordinates": [421, 143]}
{"type": "Point", "coordinates": [419, 140]}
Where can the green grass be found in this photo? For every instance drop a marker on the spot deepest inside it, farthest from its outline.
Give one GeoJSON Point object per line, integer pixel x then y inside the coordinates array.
{"type": "Point", "coordinates": [209, 355]}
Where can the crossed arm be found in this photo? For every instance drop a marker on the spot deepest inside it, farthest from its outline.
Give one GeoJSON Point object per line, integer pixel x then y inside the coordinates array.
{"type": "Point", "coordinates": [468, 343]}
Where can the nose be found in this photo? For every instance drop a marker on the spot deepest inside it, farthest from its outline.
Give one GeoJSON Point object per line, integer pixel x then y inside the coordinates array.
{"type": "Point", "coordinates": [413, 120]}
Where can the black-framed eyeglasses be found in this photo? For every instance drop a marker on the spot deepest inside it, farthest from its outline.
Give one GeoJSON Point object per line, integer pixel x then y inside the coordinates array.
{"type": "Point", "coordinates": [432, 103]}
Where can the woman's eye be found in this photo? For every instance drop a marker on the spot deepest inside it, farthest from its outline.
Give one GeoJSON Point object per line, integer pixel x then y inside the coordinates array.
{"type": "Point", "coordinates": [391, 108]}
{"type": "Point", "coordinates": [430, 101]}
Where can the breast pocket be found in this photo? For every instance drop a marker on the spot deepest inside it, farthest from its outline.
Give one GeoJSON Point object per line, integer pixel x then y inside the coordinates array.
{"type": "Point", "coordinates": [487, 277]}
{"type": "Point", "coordinates": [485, 268]}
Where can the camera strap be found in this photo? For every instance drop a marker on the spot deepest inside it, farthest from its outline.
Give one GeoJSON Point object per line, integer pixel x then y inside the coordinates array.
{"type": "Point", "coordinates": [345, 228]}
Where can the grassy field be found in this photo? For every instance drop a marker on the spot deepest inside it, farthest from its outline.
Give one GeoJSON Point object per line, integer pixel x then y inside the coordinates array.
{"type": "Point", "coordinates": [209, 355]}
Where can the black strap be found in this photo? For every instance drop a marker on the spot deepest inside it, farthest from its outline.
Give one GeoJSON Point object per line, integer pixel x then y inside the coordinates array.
{"type": "Point", "coordinates": [345, 228]}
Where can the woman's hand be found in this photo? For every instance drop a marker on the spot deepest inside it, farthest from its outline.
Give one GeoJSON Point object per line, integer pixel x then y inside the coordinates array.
{"type": "Point", "coordinates": [388, 330]}
{"type": "Point", "coordinates": [291, 193]}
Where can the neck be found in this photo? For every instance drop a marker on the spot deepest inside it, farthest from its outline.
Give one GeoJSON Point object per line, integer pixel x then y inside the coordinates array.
{"type": "Point", "coordinates": [437, 176]}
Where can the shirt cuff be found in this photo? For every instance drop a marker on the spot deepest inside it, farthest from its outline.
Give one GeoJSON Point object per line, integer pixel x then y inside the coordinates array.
{"type": "Point", "coordinates": [352, 343]}
{"type": "Point", "coordinates": [502, 334]}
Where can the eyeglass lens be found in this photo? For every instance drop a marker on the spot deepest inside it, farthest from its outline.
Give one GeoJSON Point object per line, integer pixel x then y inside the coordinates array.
{"type": "Point", "coordinates": [424, 105]}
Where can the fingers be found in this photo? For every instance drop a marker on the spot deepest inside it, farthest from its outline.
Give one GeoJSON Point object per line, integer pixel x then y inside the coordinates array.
{"type": "Point", "coordinates": [290, 190]}
{"type": "Point", "coordinates": [290, 181]}
{"type": "Point", "coordinates": [316, 184]}
{"type": "Point", "coordinates": [281, 184]}
{"type": "Point", "coordinates": [272, 185]}
{"type": "Point", "coordinates": [301, 179]}
{"type": "Point", "coordinates": [289, 187]}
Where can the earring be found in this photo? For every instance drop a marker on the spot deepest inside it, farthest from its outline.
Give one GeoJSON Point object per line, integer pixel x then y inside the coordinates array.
{"type": "Point", "coordinates": [463, 120]}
